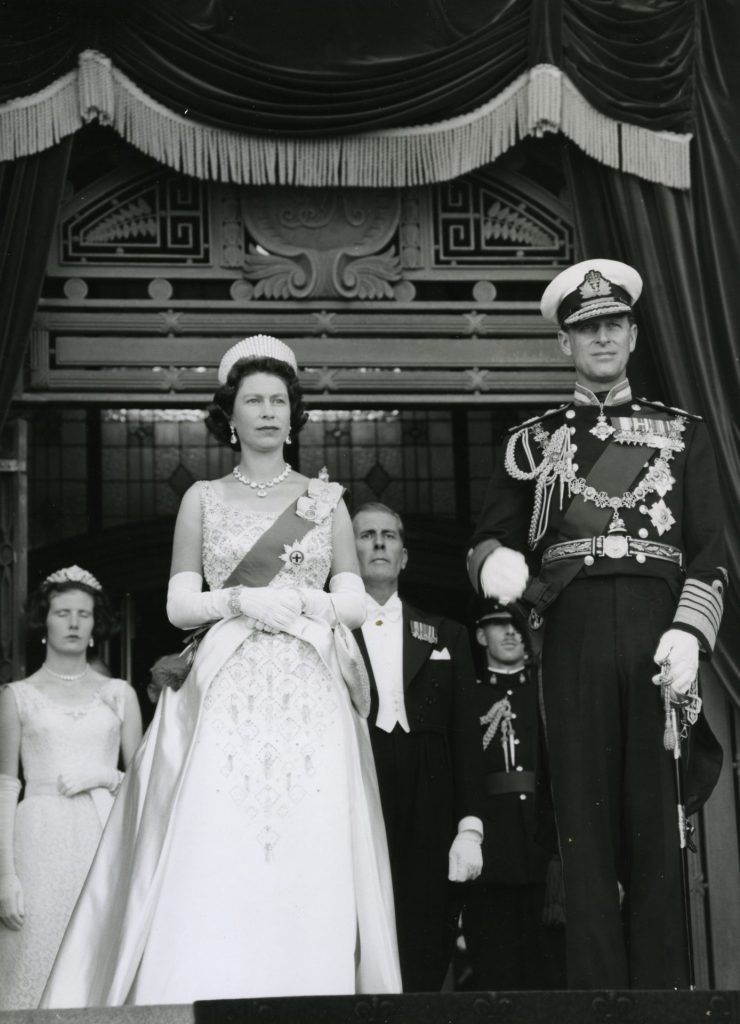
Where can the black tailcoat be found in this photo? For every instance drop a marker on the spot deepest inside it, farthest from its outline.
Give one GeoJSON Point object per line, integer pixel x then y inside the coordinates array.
{"type": "Point", "coordinates": [429, 778]}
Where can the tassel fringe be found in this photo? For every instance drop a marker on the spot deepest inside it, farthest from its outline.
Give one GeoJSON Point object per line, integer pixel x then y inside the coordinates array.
{"type": "Point", "coordinates": [541, 100]}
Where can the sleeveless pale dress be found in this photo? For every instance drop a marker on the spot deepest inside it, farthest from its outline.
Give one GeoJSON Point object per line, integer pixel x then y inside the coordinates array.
{"type": "Point", "coordinates": [258, 895]}
{"type": "Point", "coordinates": [55, 836]}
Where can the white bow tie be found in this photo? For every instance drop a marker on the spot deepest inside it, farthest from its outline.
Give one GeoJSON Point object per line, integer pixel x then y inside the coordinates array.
{"type": "Point", "coordinates": [391, 611]}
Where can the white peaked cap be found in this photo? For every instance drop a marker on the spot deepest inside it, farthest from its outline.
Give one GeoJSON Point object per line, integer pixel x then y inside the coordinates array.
{"type": "Point", "coordinates": [256, 347]}
{"type": "Point", "coordinates": [591, 288]}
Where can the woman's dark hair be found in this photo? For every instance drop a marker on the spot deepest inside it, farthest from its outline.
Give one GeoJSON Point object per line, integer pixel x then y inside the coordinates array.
{"type": "Point", "coordinates": [222, 406]}
{"type": "Point", "coordinates": [39, 602]}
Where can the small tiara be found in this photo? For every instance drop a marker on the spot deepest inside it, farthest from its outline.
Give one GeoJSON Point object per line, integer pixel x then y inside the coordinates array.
{"type": "Point", "coordinates": [253, 348]}
{"type": "Point", "coordinates": [74, 574]}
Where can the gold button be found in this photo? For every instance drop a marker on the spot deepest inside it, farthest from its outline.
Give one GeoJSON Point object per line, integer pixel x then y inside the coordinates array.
{"type": "Point", "coordinates": [589, 559]}
{"type": "Point", "coordinates": [378, 622]}
{"type": "Point", "coordinates": [522, 796]}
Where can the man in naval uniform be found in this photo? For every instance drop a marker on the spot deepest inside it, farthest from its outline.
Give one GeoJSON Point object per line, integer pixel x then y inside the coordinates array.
{"type": "Point", "coordinates": [612, 504]}
{"type": "Point", "coordinates": [425, 740]}
{"type": "Point", "coordinates": [508, 943]}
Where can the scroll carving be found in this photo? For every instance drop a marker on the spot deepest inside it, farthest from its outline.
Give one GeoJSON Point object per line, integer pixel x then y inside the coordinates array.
{"type": "Point", "coordinates": [322, 243]}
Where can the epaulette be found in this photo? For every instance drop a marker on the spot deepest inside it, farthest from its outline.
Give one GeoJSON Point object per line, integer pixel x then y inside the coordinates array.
{"type": "Point", "coordinates": [538, 419]}
{"type": "Point", "coordinates": [670, 408]}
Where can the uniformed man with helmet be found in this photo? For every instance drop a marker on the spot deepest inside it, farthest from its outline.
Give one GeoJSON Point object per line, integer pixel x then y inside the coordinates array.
{"type": "Point", "coordinates": [605, 514]}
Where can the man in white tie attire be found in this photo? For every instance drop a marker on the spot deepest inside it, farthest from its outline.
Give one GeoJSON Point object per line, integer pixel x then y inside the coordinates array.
{"type": "Point", "coordinates": [425, 737]}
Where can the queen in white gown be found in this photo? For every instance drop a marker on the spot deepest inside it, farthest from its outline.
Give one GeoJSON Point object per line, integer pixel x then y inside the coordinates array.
{"type": "Point", "coordinates": [67, 723]}
{"type": "Point", "coordinates": [246, 854]}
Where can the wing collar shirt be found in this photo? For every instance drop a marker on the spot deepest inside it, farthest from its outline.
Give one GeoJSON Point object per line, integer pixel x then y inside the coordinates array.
{"type": "Point", "coordinates": [383, 633]}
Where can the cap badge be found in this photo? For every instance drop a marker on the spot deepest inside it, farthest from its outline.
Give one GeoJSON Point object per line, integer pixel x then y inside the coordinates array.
{"type": "Point", "coordinates": [594, 286]}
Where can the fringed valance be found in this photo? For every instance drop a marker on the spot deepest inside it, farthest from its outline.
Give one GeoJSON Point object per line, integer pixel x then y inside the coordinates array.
{"type": "Point", "coordinates": [543, 99]}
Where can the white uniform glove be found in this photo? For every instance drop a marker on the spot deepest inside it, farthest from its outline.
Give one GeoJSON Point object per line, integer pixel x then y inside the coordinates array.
{"type": "Point", "coordinates": [344, 603]}
{"type": "Point", "coordinates": [679, 651]}
{"type": "Point", "coordinates": [466, 856]}
{"type": "Point", "coordinates": [504, 575]}
{"type": "Point", "coordinates": [72, 783]}
{"type": "Point", "coordinates": [189, 606]}
{"type": "Point", "coordinates": [12, 910]}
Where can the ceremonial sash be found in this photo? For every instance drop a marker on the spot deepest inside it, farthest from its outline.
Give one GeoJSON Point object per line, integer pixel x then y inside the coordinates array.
{"type": "Point", "coordinates": [615, 471]}
{"type": "Point", "coordinates": [262, 562]}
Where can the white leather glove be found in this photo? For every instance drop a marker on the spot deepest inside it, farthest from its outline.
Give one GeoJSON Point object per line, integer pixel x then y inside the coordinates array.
{"type": "Point", "coordinates": [679, 651]}
{"type": "Point", "coordinates": [504, 575]}
{"type": "Point", "coordinates": [466, 856]}
{"type": "Point", "coordinates": [276, 607]}
{"type": "Point", "coordinates": [72, 783]}
{"type": "Point", "coordinates": [189, 606]}
{"type": "Point", "coordinates": [344, 603]}
{"type": "Point", "coordinates": [12, 910]}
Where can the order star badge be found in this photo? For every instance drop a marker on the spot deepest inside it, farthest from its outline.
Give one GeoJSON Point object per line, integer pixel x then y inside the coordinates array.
{"type": "Point", "coordinates": [293, 553]}
{"type": "Point", "coordinates": [661, 517]}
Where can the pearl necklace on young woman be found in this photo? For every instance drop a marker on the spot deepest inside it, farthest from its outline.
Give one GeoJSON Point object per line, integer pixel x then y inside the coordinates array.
{"type": "Point", "coordinates": [63, 677]}
{"type": "Point", "coordinates": [260, 486]}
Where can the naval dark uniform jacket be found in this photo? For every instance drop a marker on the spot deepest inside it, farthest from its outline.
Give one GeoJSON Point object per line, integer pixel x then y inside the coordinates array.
{"type": "Point", "coordinates": [673, 531]}
{"type": "Point", "coordinates": [681, 509]}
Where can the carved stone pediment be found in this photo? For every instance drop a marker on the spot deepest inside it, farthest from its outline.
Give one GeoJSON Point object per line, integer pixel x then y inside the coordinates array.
{"type": "Point", "coordinates": [321, 243]}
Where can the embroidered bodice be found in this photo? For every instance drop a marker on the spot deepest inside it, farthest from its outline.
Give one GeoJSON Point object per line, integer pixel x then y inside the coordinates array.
{"type": "Point", "coordinates": [56, 738]}
{"type": "Point", "coordinates": [229, 533]}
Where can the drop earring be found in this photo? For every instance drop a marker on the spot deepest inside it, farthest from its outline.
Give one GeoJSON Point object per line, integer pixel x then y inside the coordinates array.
{"type": "Point", "coordinates": [91, 642]}
{"type": "Point", "coordinates": [43, 640]}
{"type": "Point", "coordinates": [232, 436]}
{"type": "Point", "coordinates": [288, 439]}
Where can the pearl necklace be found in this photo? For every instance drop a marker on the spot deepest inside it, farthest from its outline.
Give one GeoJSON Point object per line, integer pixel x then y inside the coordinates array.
{"type": "Point", "coordinates": [260, 485]}
{"type": "Point", "coordinates": [65, 678]}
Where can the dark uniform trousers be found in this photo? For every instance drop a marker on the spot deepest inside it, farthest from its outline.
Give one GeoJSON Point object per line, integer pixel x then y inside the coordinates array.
{"type": "Point", "coordinates": [604, 725]}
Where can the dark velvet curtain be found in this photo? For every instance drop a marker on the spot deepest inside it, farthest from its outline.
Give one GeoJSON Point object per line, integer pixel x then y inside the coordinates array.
{"type": "Point", "coordinates": [30, 191]}
{"type": "Point", "coordinates": [322, 67]}
{"type": "Point", "coordinates": [684, 245]}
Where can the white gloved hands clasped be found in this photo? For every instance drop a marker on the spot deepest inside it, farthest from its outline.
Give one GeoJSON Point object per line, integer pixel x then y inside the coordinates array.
{"type": "Point", "coordinates": [504, 575]}
{"type": "Point", "coordinates": [678, 651]}
{"type": "Point", "coordinates": [465, 857]}
{"type": "Point", "coordinates": [188, 605]}
{"type": "Point", "coordinates": [276, 607]}
{"type": "Point", "coordinates": [81, 781]}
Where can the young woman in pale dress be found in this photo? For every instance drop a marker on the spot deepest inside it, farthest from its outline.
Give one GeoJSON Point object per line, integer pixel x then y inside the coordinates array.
{"type": "Point", "coordinates": [64, 725]}
{"type": "Point", "coordinates": [246, 853]}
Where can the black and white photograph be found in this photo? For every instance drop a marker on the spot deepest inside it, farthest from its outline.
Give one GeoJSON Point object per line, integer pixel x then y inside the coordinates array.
{"type": "Point", "coordinates": [369, 544]}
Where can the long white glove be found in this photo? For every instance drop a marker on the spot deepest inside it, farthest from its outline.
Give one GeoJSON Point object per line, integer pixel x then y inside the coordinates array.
{"type": "Point", "coordinates": [99, 777]}
{"type": "Point", "coordinates": [344, 603]}
{"type": "Point", "coordinates": [504, 575]}
{"type": "Point", "coordinates": [465, 859]}
{"type": "Point", "coordinates": [680, 651]}
{"type": "Point", "coordinates": [11, 894]}
{"type": "Point", "coordinates": [189, 606]}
